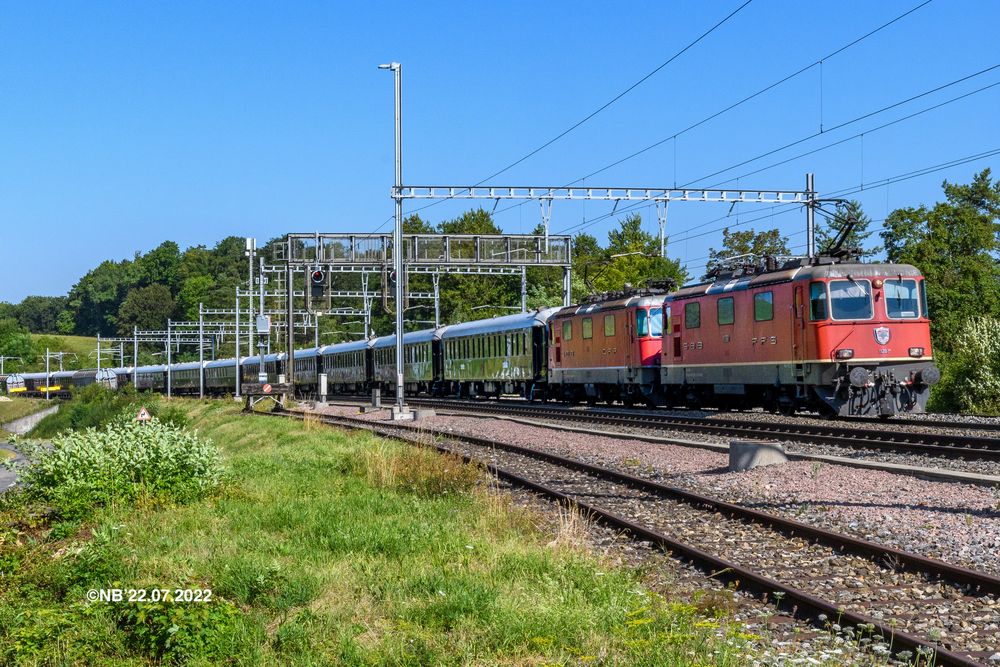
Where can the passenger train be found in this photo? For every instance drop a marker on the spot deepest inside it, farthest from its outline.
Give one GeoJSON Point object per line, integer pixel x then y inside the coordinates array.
{"type": "Point", "coordinates": [838, 338]}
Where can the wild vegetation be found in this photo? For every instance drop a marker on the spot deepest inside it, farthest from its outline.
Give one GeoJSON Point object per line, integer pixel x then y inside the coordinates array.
{"type": "Point", "coordinates": [21, 407]}
{"type": "Point", "coordinates": [319, 547]}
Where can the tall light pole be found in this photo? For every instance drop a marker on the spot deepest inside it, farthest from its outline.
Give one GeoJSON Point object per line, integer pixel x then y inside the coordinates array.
{"type": "Point", "coordinates": [250, 252]}
{"type": "Point", "coordinates": [397, 239]}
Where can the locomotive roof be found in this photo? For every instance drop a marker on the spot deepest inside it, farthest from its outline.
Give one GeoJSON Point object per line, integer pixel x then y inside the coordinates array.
{"type": "Point", "coordinates": [626, 302]}
{"type": "Point", "coordinates": [500, 324]}
{"type": "Point", "coordinates": [783, 275]}
{"type": "Point", "coordinates": [423, 336]}
{"type": "Point", "coordinates": [351, 346]}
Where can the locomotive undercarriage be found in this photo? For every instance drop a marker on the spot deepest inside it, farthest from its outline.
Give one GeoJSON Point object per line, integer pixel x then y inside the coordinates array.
{"type": "Point", "coordinates": [832, 390]}
{"type": "Point", "coordinates": [874, 390]}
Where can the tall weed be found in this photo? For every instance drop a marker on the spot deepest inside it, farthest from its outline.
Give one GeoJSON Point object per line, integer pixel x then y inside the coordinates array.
{"type": "Point", "coordinates": [119, 464]}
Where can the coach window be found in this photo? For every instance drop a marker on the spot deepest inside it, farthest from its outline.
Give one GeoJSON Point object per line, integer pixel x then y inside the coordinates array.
{"type": "Point", "coordinates": [568, 330]}
{"type": "Point", "coordinates": [817, 301]}
{"type": "Point", "coordinates": [588, 327]}
{"type": "Point", "coordinates": [763, 306]}
{"type": "Point", "coordinates": [725, 310]}
{"type": "Point", "coordinates": [609, 325]}
{"type": "Point", "coordinates": [692, 315]}
{"type": "Point", "coordinates": [851, 299]}
{"type": "Point", "coordinates": [901, 299]}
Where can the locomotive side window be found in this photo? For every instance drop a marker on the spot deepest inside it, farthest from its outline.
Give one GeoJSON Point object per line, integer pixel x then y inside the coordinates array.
{"type": "Point", "coordinates": [568, 330]}
{"type": "Point", "coordinates": [692, 315]}
{"type": "Point", "coordinates": [656, 322]}
{"type": "Point", "coordinates": [763, 306]}
{"type": "Point", "coordinates": [588, 327]}
{"type": "Point", "coordinates": [817, 301]}
{"type": "Point", "coordinates": [609, 325]}
{"type": "Point", "coordinates": [923, 298]}
{"type": "Point", "coordinates": [725, 310]}
{"type": "Point", "coordinates": [901, 299]}
{"type": "Point", "coordinates": [851, 299]}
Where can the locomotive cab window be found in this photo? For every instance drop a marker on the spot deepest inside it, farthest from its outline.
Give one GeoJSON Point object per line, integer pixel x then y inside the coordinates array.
{"type": "Point", "coordinates": [725, 310]}
{"type": "Point", "coordinates": [656, 322]}
{"type": "Point", "coordinates": [692, 315]}
{"type": "Point", "coordinates": [763, 306]}
{"type": "Point", "coordinates": [609, 325]}
{"type": "Point", "coordinates": [851, 299]}
{"type": "Point", "coordinates": [901, 299]}
{"type": "Point", "coordinates": [568, 330]}
{"type": "Point", "coordinates": [817, 301]}
{"type": "Point", "coordinates": [588, 327]}
{"type": "Point", "coordinates": [923, 298]}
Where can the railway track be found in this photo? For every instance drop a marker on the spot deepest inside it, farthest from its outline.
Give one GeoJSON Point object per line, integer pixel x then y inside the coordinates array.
{"type": "Point", "coordinates": [900, 602]}
{"type": "Point", "coordinates": [951, 445]}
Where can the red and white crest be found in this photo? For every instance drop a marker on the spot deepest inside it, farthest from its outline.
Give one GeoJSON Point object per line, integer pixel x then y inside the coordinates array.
{"type": "Point", "coordinates": [881, 335]}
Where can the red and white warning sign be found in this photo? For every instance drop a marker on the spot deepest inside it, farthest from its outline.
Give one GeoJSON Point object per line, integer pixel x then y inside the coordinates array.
{"type": "Point", "coordinates": [266, 389]}
{"type": "Point", "coordinates": [143, 415]}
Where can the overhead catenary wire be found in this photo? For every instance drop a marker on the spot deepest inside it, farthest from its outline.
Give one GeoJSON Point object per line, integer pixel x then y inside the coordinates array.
{"type": "Point", "coordinates": [588, 223]}
{"type": "Point", "coordinates": [742, 101]}
{"type": "Point", "coordinates": [856, 119]}
{"type": "Point", "coordinates": [604, 106]}
{"type": "Point", "coordinates": [791, 207]}
{"type": "Point", "coordinates": [868, 131]}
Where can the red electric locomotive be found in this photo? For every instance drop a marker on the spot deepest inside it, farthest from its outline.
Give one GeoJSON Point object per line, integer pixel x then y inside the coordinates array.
{"type": "Point", "coordinates": [842, 339]}
{"type": "Point", "coordinates": [607, 349]}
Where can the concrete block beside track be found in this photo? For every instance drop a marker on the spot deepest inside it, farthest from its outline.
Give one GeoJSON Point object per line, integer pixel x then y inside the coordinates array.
{"type": "Point", "coordinates": [750, 454]}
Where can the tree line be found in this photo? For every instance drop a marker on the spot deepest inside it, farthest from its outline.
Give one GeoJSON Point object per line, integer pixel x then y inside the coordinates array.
{"type": "Point", "coordinates": [955, 243]}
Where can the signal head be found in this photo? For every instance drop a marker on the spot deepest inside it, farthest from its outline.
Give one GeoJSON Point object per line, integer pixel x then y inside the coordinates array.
{"type": "Point", "coordinates": [317, 277]}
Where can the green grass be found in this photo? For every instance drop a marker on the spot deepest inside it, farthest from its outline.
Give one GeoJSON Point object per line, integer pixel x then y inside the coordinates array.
{"type": "Point", "coordinates": [82, 346]}
{"type": "Point", "coordinates": [6, 454]}
{"type": "Point", "coordinates": [332, 548]}
{"type": "Point", "coordinates": [20, 407]}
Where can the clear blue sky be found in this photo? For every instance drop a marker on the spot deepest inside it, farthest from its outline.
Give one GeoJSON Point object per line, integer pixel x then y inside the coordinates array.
{"type": "Point", "coordinates": [125, 124]}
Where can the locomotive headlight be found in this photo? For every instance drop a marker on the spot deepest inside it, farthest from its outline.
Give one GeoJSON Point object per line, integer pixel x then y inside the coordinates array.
{"type": "Point", "coordinates": [916, 351]}
{"type": "Point", "coordinates": [845, 353]}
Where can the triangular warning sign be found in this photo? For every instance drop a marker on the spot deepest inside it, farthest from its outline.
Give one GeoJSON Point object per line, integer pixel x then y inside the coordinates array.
{"type": "Point", "coordinates": [143, 415]}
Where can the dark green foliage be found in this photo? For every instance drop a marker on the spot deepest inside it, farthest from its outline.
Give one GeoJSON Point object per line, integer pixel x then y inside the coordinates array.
{"type": "Point", "coordinates": [858, 237]}
{"type": "Point", "coordinates": [15, 342]}
{"type": "Point", "coordinates": [955, 245]}
{"type": "Point", "coordinates": [178, 632]}
{"type": "Point", "coordinates": [146, 308]}
{"type": "Point", "coordinates": [38, 314]}
{"type": "Point", "coordinates": [769, 243]}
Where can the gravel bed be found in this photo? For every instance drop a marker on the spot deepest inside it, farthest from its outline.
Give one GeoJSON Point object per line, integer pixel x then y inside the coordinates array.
{"type": "Point", "coordinates": [957, 523]}
{"type": "Point", "coordinates": [774, 639]}
{"type": "Point", "coordinates": [983, 467]}
{"type": "Point", "coordinates": [915, 604]}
